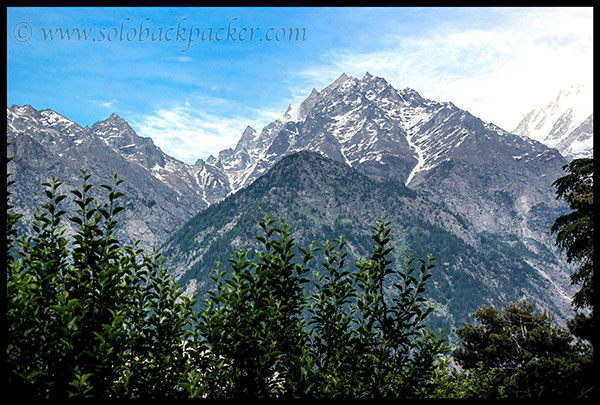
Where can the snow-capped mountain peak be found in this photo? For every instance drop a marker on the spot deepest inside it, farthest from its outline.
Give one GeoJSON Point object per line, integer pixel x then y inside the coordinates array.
{"type": "Point", "coordinates": [497, 184]}
{"type": "Point", "coordinates": [54, 119]}
{"type": "Point", "coordinates": [292, 113]}
{"type": "Point", "coordinates": [565, 123]}
{"type": "Point", "coordinates": [365, 123]}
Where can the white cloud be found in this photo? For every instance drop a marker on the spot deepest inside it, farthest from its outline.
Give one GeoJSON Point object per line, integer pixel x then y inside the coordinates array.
{"type": "Point", "coordinates": [189, 133]}
{"type": "Point", "coordinates": [498, 72]}
{"type": "Point", "coordinates": [108, 104]}
{"type": "Point", "coordinates": [102, 103]}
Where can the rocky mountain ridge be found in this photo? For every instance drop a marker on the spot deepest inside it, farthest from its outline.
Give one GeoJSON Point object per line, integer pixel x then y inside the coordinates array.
{"type": "Point", "coordinates": [324, 199]}
{"type": "Point", "coordinates": [565, 123]}
{"type": "Point", "coordinates": [160, 191]}
{"type": "Point", "coordinates": [492, 189]}
{"type": "Point", "coordinates": [499, 184]}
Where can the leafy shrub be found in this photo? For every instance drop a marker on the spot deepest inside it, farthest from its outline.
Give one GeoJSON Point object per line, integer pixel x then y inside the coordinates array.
{"type": "Point", "coordinates": [87, 317]}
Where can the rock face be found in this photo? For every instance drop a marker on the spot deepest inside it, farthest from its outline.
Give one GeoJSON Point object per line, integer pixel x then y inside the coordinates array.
{"type": "Point", "coordinates": [161, 193]}
{"type": "Point", "coordinates": [494, 179]}
{"type": "Point", "coordinates": [565, 123]}
{"type": "Point", "coordinates": [323, 199]}
{"type": "Point", "coordinates": [481, 197]}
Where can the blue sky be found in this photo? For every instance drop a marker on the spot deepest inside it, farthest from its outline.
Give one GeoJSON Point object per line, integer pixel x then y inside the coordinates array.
{"type": "Point", "coordinates": [194, 98]}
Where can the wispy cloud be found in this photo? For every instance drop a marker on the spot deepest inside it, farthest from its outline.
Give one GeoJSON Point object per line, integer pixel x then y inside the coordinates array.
{"type": "Point", "coordinates": [189, 133]}
{"type": "Point", "coordinates": [108, 104]}
{"type": "Point", "coordinates": [497, 72]}
{"type": "Point", "coordinates": [184, 59]}
{"type": "Point", "coordinates": [102, 103]}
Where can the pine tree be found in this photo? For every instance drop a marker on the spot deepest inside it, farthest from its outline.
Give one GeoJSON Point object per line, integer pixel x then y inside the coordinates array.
{"type": "Point", "coordinates": [575, 231]}
{"type": "Point", "coordinates": [531, 356]}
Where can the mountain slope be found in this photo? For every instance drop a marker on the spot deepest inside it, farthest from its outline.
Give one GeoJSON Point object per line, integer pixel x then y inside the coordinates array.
{"type": "Point", "coordinates": [365, 123]}
{"type": "Point", "coordinates": [471, 185]}
{"type": "Point", "coordinates": [324, 199]}
{"type": "Point", "coordinates": [499, 182]}
{"type": "Point", "coordinates": [565, 123]}
{"type": "Point", "coordinates": [161, 193]}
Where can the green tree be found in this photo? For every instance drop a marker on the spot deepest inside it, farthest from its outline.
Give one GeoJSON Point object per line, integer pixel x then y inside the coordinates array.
{"type": "Point", "coordinates": [397, 354]}
{"type": "Point", "coordinates": [575, 231]}
{"type": "Point", "coordinates": [357, 343]}
{"type": "Point", "coordinates": [252, 328]}
{"type": "Point", "coordinates": [531, 356]}
{"type": "Point", "coordinates": [331, 321]}
{"type": "Point", "coordinates": [452, 383]}
{"type": "Point", "coordinates": [575, 235]}
{"type": "Point", "coordinates": [87, 317]}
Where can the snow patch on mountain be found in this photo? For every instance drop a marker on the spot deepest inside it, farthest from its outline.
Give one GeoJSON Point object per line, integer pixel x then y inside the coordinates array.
{"type": "Point", "coordinates": [559, 123]}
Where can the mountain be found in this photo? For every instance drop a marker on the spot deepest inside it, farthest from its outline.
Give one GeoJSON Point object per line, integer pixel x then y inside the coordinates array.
{"type": "Point", "coordinates": [565, 123]}
{"type": "Point", "coordinates": [365, 123]}
{"type": "Point", "coordinates": [494, 179]}
{"type": "Point", "coordinates": [161, 193]}
{"type": "Point", "coordinates": [497, 187]}
{"type": "Point", "coordinates": [323, 199]}
{"type": "Point", "coordinates": [478, 197]}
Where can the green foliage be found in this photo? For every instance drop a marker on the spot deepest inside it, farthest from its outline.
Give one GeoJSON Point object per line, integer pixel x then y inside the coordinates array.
{"type": "Point", "coordinates": [575, 231]}
{"type": "Point", "coordinates": [394, 344]}
{"type": "Point", "coordinates": [356, 343]}
{"type": "Point", "coordinates": [452, 383]}
{"type": "Point", "coordinates": [531, 356]}
{"type": "Point", "coordinates": [331, 321]}
{"type": "Point", "coordinates": [252, 327]}
{"type": "Point", "coordinates": [87, 317]}
{"type": "Point", "coordinates": [575, 235]}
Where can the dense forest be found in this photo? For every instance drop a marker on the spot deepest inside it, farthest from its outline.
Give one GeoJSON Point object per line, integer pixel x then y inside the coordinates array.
{"type": "Point", "coordinates": [90, 317]}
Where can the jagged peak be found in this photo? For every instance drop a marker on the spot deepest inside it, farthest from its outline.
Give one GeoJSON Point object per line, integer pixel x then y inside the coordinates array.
{"type": "Point", "coordinates": [408, 90]}
{"type": "Point", "coordinates": [411, 95]}
{"type": "Point", "coordinates": [307, 105]}
{"type": "Point", "coordinates": [25, 108]}
{"type": "Point", "coordinates": [247, 136]}
{"type": "Point", "coordinates": [49, 111]}
{"type": "Point", "coordinates": [368, 78]}
{"type": "Point", "coordinates": [52, 118]}
{"type": "Point", "coordinates": [341, 79]}
{"type": "Point", "coordinates": [115, 117]}
{"type": "Point", "coordinates": [45, 116]}
{"type": "Point", "coordinates": [249, 130]}
{"type": "Point", "coordinates": [288, 110]}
